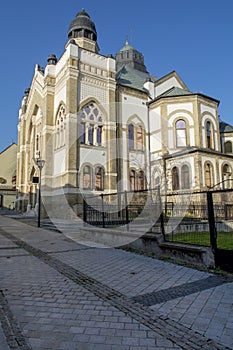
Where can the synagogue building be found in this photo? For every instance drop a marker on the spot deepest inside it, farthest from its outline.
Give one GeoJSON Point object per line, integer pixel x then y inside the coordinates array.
{"type": "Point", "coordinates": [104, 124]}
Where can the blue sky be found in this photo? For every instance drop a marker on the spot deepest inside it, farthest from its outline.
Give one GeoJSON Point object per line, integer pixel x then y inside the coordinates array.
{"type": "Point", "coordinates": [194, 38]}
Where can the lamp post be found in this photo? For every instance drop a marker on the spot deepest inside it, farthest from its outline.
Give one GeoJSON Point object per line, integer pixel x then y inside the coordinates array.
{"type": "Point", "coordinates": [40, 163]}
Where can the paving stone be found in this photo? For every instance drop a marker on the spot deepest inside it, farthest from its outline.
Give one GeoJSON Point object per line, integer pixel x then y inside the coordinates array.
{"type": "Point", "coordinates": [87, 298]}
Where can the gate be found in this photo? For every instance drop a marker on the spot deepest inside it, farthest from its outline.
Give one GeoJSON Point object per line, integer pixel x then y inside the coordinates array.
{"type": "Point", "coordinates": [220, 216]}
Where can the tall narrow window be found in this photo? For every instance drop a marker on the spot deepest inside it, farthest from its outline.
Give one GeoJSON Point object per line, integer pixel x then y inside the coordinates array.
{"type": "Point", "coordinates": [181, 140]}
{"type": "Point", "coordinates": [132, 180]}
{"type": "Point", "coordinates": [99, 135]}
{"type": "Point", "coordinates": [60, 127]}
{"type": "Point", "coordinates": [131, 136]}
{"type": "Point", "coordinates": [157, 180]}
{"type": "Point", "coordinates": [228, 147]}
{"type": "Point", "coordinates": [226, 176]}
{"type": "Point", "coordinates": [141, 180]}
{"type": "Point", "coordinates": [185, 184]}
{"type": "Point", "coordinates": [139, 138]}
{"type": "Point", "coordinates": [208, 175]}
{"type": "Point", "coordinates": [82, 133]}
{"type": "Point", "coordinates": [87, 177]}
{"type": "Point", "coordinates": [37, 142]}
{"type": "Point", "coordinates": [99, 179]}
{"type": "Point", "coordinates": [209, 135]}
{"type": "Point", "coordinates": [91, 134]}
{"type": "Point", "coordinates": [175, 179]}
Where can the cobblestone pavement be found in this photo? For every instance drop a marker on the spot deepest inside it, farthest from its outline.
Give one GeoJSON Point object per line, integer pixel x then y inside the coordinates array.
{"type": "Point", "coordinates": [57, 294]}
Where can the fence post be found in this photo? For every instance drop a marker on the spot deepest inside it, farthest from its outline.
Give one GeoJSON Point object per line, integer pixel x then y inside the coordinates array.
{"type": "Point", "coordinates": [102, 205]}
{"type": "Point", "coordinates": [211, 220]}
{"type": "Point", "coordinates": [84, 211]}
{"type": "Point", "coordinates": [161, 214]}
{"type": "Point", "coordinates": [225, 212]}
{"type": "Point", "coordinates": [126, 211]}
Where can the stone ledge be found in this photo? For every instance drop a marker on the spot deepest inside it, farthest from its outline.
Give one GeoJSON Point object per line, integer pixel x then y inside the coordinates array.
{"type": "Point", "coordinates": [148, 243]}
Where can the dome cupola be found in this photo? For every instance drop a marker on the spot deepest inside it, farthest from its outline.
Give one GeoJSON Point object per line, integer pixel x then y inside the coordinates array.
{"type": "Point", "coordinates": [82, 30]}
{"type": "Point", "coordinates": [128, 55]}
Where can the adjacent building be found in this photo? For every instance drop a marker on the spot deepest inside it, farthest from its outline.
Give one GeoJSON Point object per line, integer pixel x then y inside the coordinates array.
{"type": "Point", "coordinates": [8, 177]}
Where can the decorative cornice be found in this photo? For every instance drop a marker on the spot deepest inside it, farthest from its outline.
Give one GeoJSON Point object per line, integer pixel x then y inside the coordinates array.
{"type": "Point", "coordinates": [93, 81]}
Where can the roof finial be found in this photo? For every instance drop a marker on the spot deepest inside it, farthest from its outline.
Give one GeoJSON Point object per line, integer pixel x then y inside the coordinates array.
{"type": "Point", "coordinates": [127, 40]}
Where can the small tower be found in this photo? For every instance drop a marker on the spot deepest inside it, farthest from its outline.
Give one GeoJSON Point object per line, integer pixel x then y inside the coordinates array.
{"type": "Point", "coordinates": [82, 30]}
{"type": "Point", "coordinates": [128, 55]}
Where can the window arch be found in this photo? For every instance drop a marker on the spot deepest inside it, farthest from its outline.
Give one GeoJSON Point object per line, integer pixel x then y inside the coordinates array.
{"type": "Point", "coordinates": [228, 147]}
{"type": "Point", "coordinates": [208, 175]}
{"type": "Point", "coordinates": [185, 181]}
{"type": "Point", "coordinates": [87, 177]}
{"type": "Point", "coordinates": [60, 127]}
{"type": "Point", "coordinates": [226, 176]}
{"type": "Point", "coordinates": [209, 135]}
{"type": "Point", "coordinates": [175, 179]}
{"type": "Point", "coordinates": [99, 178]}
{"type": "Point", "coordinates": [141, 181]}
{"type": "Point", "coordinates": [137, 180]}
{"type": "Point", "coordinates": [91, 125]}
{"type": "Point", "coordinates": [132, 180]}
{"type": "Point", "coordinates": [181, 137]}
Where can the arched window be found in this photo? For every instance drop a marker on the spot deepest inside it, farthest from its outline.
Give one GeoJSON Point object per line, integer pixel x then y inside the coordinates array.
{"type": "Point", "coordinates": [141, 180]}
{"type": "Point", "coordinates": [228, 147]}
{"type": "Point", "coordinates": [185, 184]}
{"type": "Point", "coordinates": [208, 175]}
{"type": "Point", "coordinates": [139, 138]}
{"type": "Point", "coordinates": [60, 127]}
{"type": "Point", "coordinates": [131, 136]}
{"type": "Point", "coordinates": [99, 179]}
{"type": "Point", "coordinates": [226, 176]}
{"type": "Point", "coordinates": [181, 139]}
{"type": "Point", "coordinates": [132, 180]}
{"type": "Point", "coordinates": [91, 125]}
{"type": "Point", "coordinates": [87, 178]}
{"type": "Point", "coordinates": [209, 135]}
{"type": "Point", "coordinates": [175, 179]}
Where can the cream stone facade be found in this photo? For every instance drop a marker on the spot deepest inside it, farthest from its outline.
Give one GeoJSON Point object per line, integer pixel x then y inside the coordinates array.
{"type": "Point", "coordinates": [104, 124]}
{"type": "Point", "coordinates": [8, 177]}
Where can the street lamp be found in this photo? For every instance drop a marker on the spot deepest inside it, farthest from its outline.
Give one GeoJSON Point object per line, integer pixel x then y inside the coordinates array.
{"type": "Point", "coordinates": [40, 163]}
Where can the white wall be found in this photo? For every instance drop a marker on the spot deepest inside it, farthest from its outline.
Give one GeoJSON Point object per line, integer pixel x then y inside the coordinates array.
{"type": "Point", "coordinates": [168, 84]}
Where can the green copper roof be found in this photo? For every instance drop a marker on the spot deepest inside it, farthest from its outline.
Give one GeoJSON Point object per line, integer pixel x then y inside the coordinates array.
{"type": "Point", "coordinates": [127, 47]}
{"type": "Point", "coordinates": [175, 91]}
{"type": "Point", "coordinates": [133, 78]}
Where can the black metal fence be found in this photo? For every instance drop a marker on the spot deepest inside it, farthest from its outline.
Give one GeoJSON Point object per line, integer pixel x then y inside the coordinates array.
{"type": "Point", "coordinates": [188, 218]}
{"type": "Point", "coordinates": [183, 217]}
{"type": "Point", "coordinates": [117, 209]}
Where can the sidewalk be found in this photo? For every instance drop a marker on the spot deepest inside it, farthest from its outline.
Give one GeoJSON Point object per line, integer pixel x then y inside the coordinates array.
{"type": "Point", "coordinates": [58, 294]}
